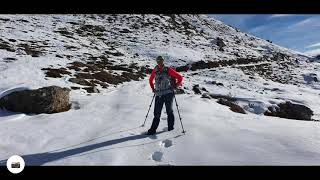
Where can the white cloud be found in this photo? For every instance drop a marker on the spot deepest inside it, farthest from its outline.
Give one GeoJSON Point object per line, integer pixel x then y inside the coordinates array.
{"type": "Point", "coordinates": [301, 23]}
{"type": "Point", "coordinates": [279, 15]}
{"type": "Point", "coordinates": [313, 52]}
{"type": "Point", "coordinates": [313, 45]}
{"type": "Point", "coordinates": [309, 22]}
{"type": "Point", "coordinates": [259, 28]}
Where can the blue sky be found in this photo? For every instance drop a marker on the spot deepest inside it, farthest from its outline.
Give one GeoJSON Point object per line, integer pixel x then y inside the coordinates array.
{"type": "Point", "coordinates": [298, 32]}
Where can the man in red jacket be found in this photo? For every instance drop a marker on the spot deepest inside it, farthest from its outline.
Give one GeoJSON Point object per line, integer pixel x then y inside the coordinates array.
{"type": "Point", "coordinates": [164, 91]}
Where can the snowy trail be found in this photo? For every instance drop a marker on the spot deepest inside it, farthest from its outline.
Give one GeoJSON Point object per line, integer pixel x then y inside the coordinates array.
{"type": "Point", "coordinates": [105, 131]}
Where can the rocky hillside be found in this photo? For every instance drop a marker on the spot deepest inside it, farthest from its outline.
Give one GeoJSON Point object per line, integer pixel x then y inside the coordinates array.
{"type": "Point", "coordinates": [94, 53]}
{"type": "Point", "coordinates": [99, 50]}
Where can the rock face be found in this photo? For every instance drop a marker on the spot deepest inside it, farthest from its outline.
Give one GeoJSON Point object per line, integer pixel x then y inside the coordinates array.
{"type": "Point", "coordinates": [52, 99]}
{"type": "Point", "coordinates": [290, 111]}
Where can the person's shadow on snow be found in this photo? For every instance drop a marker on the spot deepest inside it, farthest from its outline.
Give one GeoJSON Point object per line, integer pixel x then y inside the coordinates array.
{"type": "Point", "coordinates": [43, 158]}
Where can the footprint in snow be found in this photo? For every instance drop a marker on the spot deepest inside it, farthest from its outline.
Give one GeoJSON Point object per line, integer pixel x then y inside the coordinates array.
{"type": "Point", "coordinates": [168, 164]}
{"type": "Point", "coordinates": [157, 156]}
{"type": "Point", "coordinates": [166, 143]}
{"type": "Point", "coordinates": [75, 105]}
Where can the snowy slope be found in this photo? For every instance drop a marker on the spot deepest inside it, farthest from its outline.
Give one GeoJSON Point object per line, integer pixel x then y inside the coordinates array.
{"type": "Point", "coordinates": [103, 128]}
{"type": "Point", "coordinates": [105, 131]}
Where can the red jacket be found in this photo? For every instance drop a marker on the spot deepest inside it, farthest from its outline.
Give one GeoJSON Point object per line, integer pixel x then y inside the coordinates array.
{"type": "Point", "coordinates": [171, 73]}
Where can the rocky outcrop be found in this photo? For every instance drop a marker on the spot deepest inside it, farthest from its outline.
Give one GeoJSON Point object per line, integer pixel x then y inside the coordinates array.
{"type": "Point", "coordinates": [290, 111]}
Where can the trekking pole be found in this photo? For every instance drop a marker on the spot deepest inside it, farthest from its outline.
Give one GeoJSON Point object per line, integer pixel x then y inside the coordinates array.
{"type": "Point", "coordinates": [148, 110]}
{"type": "Point", "coordinates": [183, 131]}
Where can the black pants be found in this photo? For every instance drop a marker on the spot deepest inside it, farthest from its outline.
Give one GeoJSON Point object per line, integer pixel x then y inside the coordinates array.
{"type": "Point", "coordinates": [166, 99]}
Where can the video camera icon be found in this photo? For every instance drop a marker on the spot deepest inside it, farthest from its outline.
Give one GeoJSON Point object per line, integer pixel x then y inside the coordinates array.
{"type": "Point", "coordinates": [15, 164]}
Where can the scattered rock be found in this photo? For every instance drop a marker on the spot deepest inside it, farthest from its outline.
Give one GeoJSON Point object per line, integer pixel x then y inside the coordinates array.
{"type": "Point", "coordinates": [290, 111]}
{"type": "Point", "coordinates": [55, 73]}
{"type": "Point", "coordinates": [206, 95]}
{"type": "Point", "coordinates": [121, 67]}
{"type": "Point", "coordinates": [71, 47]}
{"type": "Point", "coordinates": [204, 89]}
{"type": "Point", "coordinates": [128, 76]}
{"type": "Point", "coordinates": [146, 70]}
{"type": "Point", "coordinates": [84, 75]}
{"type": "Point", "coordinates": [275, 89]}
{"type": "Point", "coordinates": [220, 43]}
{"type": "Point", "coordinates": [233, 107]}
{"type": "Point", "coordinates": [114, 53]}
{"type": "Point", "coordinates": [73, 23]}
{"type": "Point", "coordinates": [216, 83]}
{"type": "Point", "coordinates": [93, 30]}
{"type": "Point", "coordinates": [30, 50]}
{"type": "Point", "coordinates": [64, 32]}
{"type": "Point", "coordinates": [109, 78]}
{"type": "Point", "coordinates": [6, 46]}
{"type": "Point", "coordinates": [59, 56]}
{"type": "Point", "coordinates": [91, 89]}
{"type": "Point", "coordinates": [76, 65]}
{"type": "Point", "coordinates": [125, 31]}
{"type": "Point", "coordinates": [74, 88]}
{"type": "Point", "coordinates": [182, 68]}
{"type": "Point", "coordinates": [91, 68]}
{"type": "Point", "coordinates": [4, 19]}
{"type": "Point", "coordinates": [80, 81]}
{"type": "Point", "coordinates": [52, 99]}
{"type": "Point", "coordinates": [9, 59]}
{"type": "Point", "coordinates": [218, 96]}
{"type": "Point", "coordinates": [199, 65]}
{"type": "Point", "coordinates": [23, 20]}
{"type": "Point", "coordinates": [102, 84]}
{"type": "Point", "coordinates": [236, 54]}
{"type": "Point", "coordinates": [196, 89]}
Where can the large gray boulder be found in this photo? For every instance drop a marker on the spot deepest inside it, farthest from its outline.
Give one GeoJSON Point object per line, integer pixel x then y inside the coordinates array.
{"type": "Point", "coordinates": [52, 99]}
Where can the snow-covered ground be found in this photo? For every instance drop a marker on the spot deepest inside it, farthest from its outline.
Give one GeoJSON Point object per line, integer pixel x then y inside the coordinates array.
{"type": "Point", "coordinates": [104, 128]}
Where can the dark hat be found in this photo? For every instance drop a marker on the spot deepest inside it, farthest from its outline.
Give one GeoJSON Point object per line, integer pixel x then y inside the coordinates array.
{"type": "Point", "coordinates": [160, 58]}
